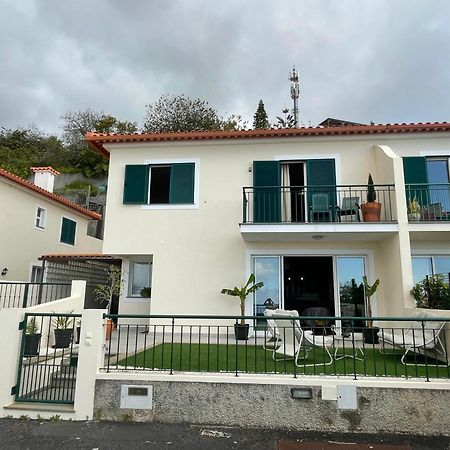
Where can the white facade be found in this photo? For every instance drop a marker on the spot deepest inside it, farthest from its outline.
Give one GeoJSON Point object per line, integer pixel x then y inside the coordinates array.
{"type": "Point", "coordinates": [30, 226]}
{"type": "Point", "coordinates": [196, 250]}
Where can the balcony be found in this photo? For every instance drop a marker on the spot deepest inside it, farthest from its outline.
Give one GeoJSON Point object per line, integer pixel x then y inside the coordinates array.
{"type": "Point", "coordinates": [428, 210]}
{"type": "Point", "coordinates": [305, 212]}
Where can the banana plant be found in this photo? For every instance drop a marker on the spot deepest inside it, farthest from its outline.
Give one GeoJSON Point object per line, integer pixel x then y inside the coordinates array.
{"type": "Point", "coordinates": [244, 292]}
{"type": "Point", "coordinates": [369, 290]}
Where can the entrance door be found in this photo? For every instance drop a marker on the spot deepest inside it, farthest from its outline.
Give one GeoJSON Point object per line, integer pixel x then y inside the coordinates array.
{"type": "Point", "coordinates": [308, 283]}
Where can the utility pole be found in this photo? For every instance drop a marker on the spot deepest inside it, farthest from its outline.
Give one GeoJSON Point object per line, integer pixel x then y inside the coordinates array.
{"type": "Point", "coordinates": [295, 92]}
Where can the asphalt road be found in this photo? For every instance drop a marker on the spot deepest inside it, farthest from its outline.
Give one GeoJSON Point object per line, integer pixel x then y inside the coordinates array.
{"type": "Point", "coordinates": [43, 435]}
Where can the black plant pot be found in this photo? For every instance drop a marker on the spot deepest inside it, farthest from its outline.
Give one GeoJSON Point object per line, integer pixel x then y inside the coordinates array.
{"type": "Point", "coordinates": [63, 337]}
{"type": "Point", "coordinates": [31, 345]}
{"type": "Point", "coordinates": [241, 331]}
{"type": "Point", "coordinates": [370, 335]}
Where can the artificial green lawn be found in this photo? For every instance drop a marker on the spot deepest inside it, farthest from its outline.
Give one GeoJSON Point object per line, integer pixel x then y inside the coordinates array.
{"type": "Point", "coordinates": [254, 359]}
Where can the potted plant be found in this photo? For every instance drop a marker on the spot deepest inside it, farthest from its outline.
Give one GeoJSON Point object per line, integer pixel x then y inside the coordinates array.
{"type": "Point", "coordinates": [63, 330]}
{"type": "Point", "coordinates": [146, 292]}
{"type": "Point", "coordinates": [241, 329]}
{"type": "Point", "coordinates": [371, 210]}
{"type": "Point", "coordinates": [414, 210]}
{"type": "Point", "coordinates": [32, 338]}
{"type": "Point", "coordinates": [432, 293]}
{"type": "Point", "coordinates": [370, 333]}
{"type": "Point", "coordinates": [105, 292]}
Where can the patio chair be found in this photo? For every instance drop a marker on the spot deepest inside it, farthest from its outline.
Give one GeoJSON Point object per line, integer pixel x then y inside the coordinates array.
{"type": "Point", "coordinates": [424, 340]}
{"type": "Point", "coordinates": [272, 340]}
{"type": "Point", "coordinates": [350, 207]}
{"type": "Point", "coordinates": [434, 211]}
{"type": "Point", "coordinates": [295, 343]}
{"type": "Point", "coordinates": [320, 208]}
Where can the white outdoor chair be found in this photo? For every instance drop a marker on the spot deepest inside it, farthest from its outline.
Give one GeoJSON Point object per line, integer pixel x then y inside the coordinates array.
{"type": "Point", "coordinates": [295, 343]}
{"type": "Point", "coordinates": [424, 340]}
{"type": "Point", "coordinates": [273, 340]}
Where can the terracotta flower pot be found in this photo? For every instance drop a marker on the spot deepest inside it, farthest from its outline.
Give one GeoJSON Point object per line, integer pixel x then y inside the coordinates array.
{"type": "Point", "coordinates": [371, 211]}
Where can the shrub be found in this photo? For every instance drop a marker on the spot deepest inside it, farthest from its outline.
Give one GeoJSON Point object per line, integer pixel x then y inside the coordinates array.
{"type": "Point", "coordinates": [432, 293]}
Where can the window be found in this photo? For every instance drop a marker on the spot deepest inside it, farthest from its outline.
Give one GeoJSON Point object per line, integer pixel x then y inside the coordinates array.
{"type": "Point", "coordinates": [160, 184]}
{"type": "Point", "coordinates": [430, 265]}
{"type": "Point", "coordinates": [140, 277]}
{"type": "Point", "coordinates": [68, 231]}
{"type": "Point", "coordinates": [36, 274]}
{"type": "Point", "coordinates": [40, 218]}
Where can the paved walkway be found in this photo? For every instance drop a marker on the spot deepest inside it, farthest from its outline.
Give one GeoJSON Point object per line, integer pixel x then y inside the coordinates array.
{"type": "Point", "coordinates": [40, 435]}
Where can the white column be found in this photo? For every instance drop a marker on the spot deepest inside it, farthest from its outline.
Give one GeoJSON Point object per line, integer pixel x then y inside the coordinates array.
{"type": "Point", "coordinates": [10, 340]}
{"type": "Point", "coordinates": [91, 357]}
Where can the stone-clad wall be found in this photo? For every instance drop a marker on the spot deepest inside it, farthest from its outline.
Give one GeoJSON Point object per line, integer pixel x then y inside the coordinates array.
{"type": "Point", "coordinates": [397, 410]}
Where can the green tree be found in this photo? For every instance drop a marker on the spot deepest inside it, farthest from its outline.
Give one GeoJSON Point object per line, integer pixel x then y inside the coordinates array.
{"type": "Point", "coordinates": [23, 148]}
{"type": "Point", "coordinates": [286, 122]}
{"type": "Point", "coordinates": [76, 125]}
{"type": "Point", "coordinates": [171, 113]}
{"type": "Point", "coordinates": [260, 120]}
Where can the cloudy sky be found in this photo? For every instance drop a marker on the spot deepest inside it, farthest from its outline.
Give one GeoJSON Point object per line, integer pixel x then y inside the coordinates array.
{"type": "Point", "coordinates": [364, 60]}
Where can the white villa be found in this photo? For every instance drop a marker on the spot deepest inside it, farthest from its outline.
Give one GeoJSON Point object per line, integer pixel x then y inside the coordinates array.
{"type": "Point", "coordinates": [192, 213]}
{"type": "Point", "coordinates": [35, 221]}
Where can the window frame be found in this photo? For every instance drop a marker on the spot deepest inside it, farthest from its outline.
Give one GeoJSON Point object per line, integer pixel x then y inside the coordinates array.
{"type": "Point", "coordinates": [131, 263]}
{"type": "Point", "coordinates": [42, 219]}
{"type": "Point", "coordinates": [74, 235]}
{"type": "Point", "coordinates": [169, 162]}
{"type": "Point", "coordinates": [431, 257]}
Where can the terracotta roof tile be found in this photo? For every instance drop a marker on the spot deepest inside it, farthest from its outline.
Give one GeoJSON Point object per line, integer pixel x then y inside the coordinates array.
{"type": "Point", "coordinates": [50, 195]}
{"type": "Point", "coordinates": [45, 169]}
{"type": "Point", "coordinates": [97, 140]}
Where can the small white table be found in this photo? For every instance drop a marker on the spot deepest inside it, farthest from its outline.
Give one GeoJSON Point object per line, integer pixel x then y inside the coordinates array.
{"type": "Point", "coordinates": [354, 341]}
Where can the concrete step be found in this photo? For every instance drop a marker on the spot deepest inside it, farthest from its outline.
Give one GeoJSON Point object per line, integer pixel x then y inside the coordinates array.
{"type": "Point", "coordinates": [65, 378]}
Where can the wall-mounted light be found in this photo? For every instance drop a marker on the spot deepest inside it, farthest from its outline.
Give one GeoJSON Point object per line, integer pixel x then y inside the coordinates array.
{"type": "Point", "coordinates": [4, 271]}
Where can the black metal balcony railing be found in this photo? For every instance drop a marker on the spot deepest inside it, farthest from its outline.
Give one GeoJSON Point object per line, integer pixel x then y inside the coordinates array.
{"type": "Point", "coordinates": [404, 347]}
{"type": "Point", "coordinates": [301, 204]}
{"type": "Point", "coordinates": [23, 295]}
{"type": "Point", "coordinates": [428, 202]}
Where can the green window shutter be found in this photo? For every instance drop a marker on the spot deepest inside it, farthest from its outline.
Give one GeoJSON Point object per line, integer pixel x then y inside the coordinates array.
{"type": "Point", "coordinates": [68, 231]}
{"type": "Point", "coordinates": [416, 179]}
{"type": "Point", "coordinates": [266, 191]}
{"type": "Point", "coordinates": [182, 177]}
{"type": "Point", "coordinates": [321, 172]}
{"type": "Point", "coordinates": [135, 189]}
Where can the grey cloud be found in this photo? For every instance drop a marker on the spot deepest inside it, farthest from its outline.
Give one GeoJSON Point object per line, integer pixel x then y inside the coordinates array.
{"type": "Point", "coordinates": [376, 60]}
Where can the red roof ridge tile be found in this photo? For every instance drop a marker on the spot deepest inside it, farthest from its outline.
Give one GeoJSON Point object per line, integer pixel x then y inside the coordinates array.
{"type": "Point", "coordinates": [50, 195]}
{"type": "Point", "coordinates": [45, 169]}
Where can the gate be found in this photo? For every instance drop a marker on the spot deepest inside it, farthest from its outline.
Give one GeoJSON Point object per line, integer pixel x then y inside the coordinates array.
{"type": "Point", "coordinates": [48, 358]}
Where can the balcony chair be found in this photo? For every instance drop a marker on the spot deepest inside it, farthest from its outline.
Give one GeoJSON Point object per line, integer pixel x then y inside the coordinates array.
{"type": "Point", "coordinates": [350, 207]}
{"type": "Point", "coordinates": [434, 211]}
{"type": "Point", "coordinates": [423, 341]}
{"type": "Point", "coordinates": [318, 326]}
{"type": "Point", "coordinates": [320, 208]}
{"type": "Point", "coordinates": [294, 342]}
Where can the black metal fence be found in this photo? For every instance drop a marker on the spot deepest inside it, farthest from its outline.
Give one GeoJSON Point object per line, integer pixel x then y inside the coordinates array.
{"type": "Point", "coordinates": [48, 358]}
{"type": "Point", "coordinates": [428, 202]}
{"type": "Point", "coordinates": [288, 345]}
{"type": "Point", "coordinates": [23, 295]}
{"type": "Point", "coordinates": [300, 204]}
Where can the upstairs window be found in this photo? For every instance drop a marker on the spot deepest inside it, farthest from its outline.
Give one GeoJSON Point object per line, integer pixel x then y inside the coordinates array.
{"type": "Point", "coordinates": [159, 184]}
{"type": "Point", "coordinates": [68, 231]}
{"type": "Point", "coordinates": [40, 218]}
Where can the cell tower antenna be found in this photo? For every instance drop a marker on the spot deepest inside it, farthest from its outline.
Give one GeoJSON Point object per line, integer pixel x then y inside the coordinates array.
{"type": "Point", "coordinates": [295, 92]}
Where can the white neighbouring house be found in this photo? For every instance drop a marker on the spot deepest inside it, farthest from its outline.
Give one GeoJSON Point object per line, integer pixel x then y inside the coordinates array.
{"type": "Point", "coordinates": [192, 213]}
{"type": "Point", "coordinates": [35, 221]}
